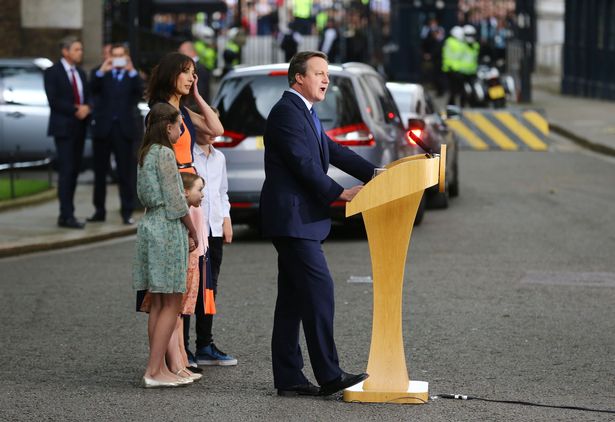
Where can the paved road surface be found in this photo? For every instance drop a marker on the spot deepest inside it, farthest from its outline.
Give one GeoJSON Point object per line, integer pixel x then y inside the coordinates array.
{"type": "Point", "coordinates": [509, 295]}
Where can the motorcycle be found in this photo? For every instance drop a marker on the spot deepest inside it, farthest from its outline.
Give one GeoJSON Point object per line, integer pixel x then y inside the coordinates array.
{"type": "Point", "coordinates": [489, 88]}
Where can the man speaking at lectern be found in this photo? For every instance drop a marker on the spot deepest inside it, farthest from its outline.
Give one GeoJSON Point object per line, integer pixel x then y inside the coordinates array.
{"type": "Point", "coordinates": [294, 207]}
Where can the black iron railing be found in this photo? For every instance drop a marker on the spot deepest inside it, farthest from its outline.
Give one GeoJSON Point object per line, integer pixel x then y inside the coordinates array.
{"type": "Point", "coordinates": [14, 167]}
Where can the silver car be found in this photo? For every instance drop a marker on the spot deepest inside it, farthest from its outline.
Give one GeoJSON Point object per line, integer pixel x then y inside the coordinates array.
{"type": "Point", "coordinates": [24, 111]}
{"type": "Point", "coordinates": [358, 112]}
{"type": "Point", "coordinates": [420, 117]}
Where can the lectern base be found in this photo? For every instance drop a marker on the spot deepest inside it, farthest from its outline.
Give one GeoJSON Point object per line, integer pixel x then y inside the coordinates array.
{"type": "Point", "coordinates": [417, 393]}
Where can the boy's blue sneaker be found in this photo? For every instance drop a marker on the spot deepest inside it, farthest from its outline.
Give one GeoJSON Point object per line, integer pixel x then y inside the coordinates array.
{"type": "Point", "coordinates": [211, 355]}
{"type": "Point", "coordinates": [191, 359]}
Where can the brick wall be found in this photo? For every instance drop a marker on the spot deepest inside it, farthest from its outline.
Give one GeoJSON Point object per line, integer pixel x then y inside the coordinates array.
{"type": "Point", "coordinates": [16, 41]}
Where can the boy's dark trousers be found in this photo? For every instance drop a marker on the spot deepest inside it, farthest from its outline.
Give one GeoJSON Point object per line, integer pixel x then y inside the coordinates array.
{"type": "Point", "coordinates": [204, 322]}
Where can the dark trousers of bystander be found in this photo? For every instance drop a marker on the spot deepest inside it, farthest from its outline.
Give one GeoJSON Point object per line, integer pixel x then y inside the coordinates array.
{"type": "Point", "coordinates": [204, 323]}
{"type": "Point", "coordinates": [123, 150]}
{"type": "Point", "coordinates": [456, 90]}
{"type": "Point", "coordinates": [69, 153]}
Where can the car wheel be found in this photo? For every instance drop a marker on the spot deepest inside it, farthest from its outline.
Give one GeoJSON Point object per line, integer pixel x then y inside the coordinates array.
{"type": "Point", "coordinates": [453, 188]}
{"type": "Point", "coordinates": [500, 103]}
{"type": "Point", "coordinates": [439, 200]}
{"type": "Point", "coordinates": [420, 212]}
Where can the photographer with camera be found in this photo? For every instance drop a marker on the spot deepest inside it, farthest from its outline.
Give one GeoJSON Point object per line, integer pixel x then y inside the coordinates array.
{"type": "Point", "coordinates": [117, 89]}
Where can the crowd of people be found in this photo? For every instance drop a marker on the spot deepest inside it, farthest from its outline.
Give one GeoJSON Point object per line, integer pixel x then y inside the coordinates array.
{"type": "Point", "coordinates": [451, 59]}
{"type": "Point", "coordinates": [181, 183]}
{"type": "Point", "coordinates": [175, 274]}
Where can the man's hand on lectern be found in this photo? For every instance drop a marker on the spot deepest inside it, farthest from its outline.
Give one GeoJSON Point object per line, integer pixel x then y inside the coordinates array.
{"type": "Point", "coordinates": [348, 194]}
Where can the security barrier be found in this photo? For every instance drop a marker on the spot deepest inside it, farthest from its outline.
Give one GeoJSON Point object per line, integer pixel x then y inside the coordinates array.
{"type": "Point", "coordinates": [501, 130]}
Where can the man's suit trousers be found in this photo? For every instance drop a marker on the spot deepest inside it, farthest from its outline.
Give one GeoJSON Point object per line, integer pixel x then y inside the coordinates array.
{"type": "Point", "coordinates": [69, 154]}
{"type": "Point", "coordinates": [124, 151]}
{"type": "Point", "coordinates": [305, 295]}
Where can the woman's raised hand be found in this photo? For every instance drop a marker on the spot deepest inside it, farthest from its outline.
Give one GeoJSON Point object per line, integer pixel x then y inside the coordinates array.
{"type": "Point", "coordinates": [195, 87]}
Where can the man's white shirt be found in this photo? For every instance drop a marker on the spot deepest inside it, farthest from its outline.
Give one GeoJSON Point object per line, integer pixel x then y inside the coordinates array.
{"type": "Point", "coordinates": [67, 69]}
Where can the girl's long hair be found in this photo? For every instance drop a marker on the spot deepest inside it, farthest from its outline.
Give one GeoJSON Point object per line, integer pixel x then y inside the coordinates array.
{"type": "Point", "coordinates": [163, 80]}
{"type": "Point", "coordinates": [161, 115]}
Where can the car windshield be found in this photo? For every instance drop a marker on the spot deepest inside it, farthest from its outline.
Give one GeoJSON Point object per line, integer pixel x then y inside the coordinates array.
{"type": "Point", "coordinates": [245, 102]}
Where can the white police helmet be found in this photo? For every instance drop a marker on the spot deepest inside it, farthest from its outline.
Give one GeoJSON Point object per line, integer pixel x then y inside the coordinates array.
{"type": "Point", "coordinates": [457, 32]}
{"type": "Point", "coordinates": [469, 33]}
{"type": "Point", "coordinates": [232, 33]}
{"type": "Point", "coordinates": [203, 32]}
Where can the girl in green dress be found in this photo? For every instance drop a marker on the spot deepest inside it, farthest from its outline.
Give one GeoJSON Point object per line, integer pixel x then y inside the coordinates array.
{"type": "Point", "coordinates": [162, 248]}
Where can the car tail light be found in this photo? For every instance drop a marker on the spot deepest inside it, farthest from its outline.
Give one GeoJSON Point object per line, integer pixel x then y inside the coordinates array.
{"type": "Point", "coordinates": [278, 73]}
{"type": "Point", "coordinates": [243, 205]}
{"type": "Point", "coordinates": [352, 135]}
{"type": "Point", "coordinates": [412, 135]}
{"type": "Point", "coordinates": [228, 139]}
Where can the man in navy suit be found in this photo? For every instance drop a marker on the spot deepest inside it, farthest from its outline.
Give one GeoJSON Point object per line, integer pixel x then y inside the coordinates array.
{"type": "Point", "coordinates": [294, 208]}
{"type": "Point", "coordinates": [67, 91]}
{"type": "Point", "coordinates": [117, 89]}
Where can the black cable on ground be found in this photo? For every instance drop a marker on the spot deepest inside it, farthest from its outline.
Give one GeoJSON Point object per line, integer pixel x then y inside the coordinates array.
{"type": "Point", "coordinates": [524, 403]}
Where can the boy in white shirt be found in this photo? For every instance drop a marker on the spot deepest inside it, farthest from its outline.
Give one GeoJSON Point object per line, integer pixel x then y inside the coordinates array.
{"type": "Point", "coordinates": [211, 165]}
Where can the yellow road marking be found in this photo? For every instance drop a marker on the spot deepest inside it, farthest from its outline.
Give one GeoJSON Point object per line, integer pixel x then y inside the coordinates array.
{"type": "Point", "coordinates": [463, 131]}
{"type": "Point", "coordinates": [260, 142]}
{"type": "Point", "coordinates": [516, 127]}
{"type": "Point", "coordinates": [491, 130]}
{"type": "Point", "coordinates": [537, 120]}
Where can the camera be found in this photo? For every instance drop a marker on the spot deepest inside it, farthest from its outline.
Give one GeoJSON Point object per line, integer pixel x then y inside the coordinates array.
{"type": "Point", "coordinates": [119, 62]}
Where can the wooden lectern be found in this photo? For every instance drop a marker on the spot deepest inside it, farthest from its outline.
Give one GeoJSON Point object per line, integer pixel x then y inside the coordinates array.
{"type": "Point", "coordinates": [389, 203]}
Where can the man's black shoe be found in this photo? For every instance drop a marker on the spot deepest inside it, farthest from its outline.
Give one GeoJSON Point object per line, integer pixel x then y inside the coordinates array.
{"type": "Point", "coordinates": [308, 389]}
{"type": "Point", "coordinates": [129, 221]}
{"type": "Point", "coordinates": [70, 223]}
{"type": "Point", "coordinates": [97, 218]}
{"type": "Point", "coordinates": [343, 381]}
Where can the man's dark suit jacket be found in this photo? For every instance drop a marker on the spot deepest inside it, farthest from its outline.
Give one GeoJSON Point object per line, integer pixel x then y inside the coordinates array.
{"type": "Point", "coordinates": [297, 192]}
{"type": "Point", "coordinates": [116, 100]}
{"type": "Point", "coordinates": [59, 89]}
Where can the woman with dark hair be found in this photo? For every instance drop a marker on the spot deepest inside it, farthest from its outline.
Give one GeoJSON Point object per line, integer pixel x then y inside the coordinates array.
{"type": "Point", "coordinates": [172, 81]}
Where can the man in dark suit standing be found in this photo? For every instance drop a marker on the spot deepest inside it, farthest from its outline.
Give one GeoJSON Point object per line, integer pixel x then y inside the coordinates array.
{"type": "Point", "coordinates": [294, 208]}
{"type": "Point", "coordinates": [117, 89]}
{"type": "Point", "coordinates": [67, 91]}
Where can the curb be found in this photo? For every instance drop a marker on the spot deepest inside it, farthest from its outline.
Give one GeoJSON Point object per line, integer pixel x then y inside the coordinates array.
{"type": "Point", "coordinates": [40, 247]}
{"type": "Point", "coordinates": [583, 142]}
{"type": "Point", "coordinates": [29, 200]}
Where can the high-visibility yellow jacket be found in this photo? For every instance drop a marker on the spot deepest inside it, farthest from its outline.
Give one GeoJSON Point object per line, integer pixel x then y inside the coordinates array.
{"type": "Point", "coordinates": [207, 55]}
{"type": "Point", "coordinates": [453, 53]}
{"type": "Point", "coordinates": [469, 61]}
{"type": "Point", "coordinates": [302, 9]}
